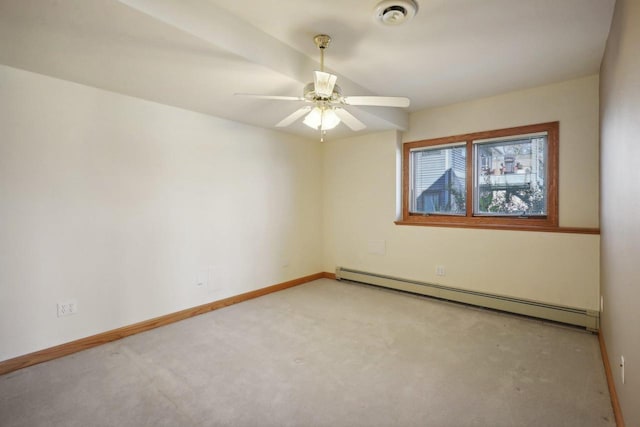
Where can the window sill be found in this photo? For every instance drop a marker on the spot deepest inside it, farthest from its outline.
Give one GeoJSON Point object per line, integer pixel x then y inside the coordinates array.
{"type": "Point", "coordinates": [508, 227]}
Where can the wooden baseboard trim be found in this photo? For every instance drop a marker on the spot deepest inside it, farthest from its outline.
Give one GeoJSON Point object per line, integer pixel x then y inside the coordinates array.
{"type": "Point", "coordinates": [615, 403]}
{"type": "Point", "coordinates": [65, 349]}
{"type": "Point", "coordinates": [326, 275]}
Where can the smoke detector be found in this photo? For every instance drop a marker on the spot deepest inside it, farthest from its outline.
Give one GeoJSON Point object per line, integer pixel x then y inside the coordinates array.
{"type": "Point", "coordinates": [395, 12]}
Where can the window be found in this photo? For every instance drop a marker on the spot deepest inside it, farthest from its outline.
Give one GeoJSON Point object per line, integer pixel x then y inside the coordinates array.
{"type": "Point", "coordinates": [438, 180]}
{"type": "Point", "coordinates": [505, 178]}
{"type": "Point", "coordinates": [510, 176]}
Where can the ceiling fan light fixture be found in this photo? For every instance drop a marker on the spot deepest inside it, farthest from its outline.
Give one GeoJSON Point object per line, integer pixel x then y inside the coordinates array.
{"type": "Point", "coordinates": [322, 119]}
{"type": "Point", "coordinates": [329, 119]}
{"type": "Point", "coordinates": [395, 12]}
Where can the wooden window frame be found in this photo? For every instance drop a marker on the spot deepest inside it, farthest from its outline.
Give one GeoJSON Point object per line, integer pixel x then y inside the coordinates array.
{"type": "Point", "coordinates": [541, 223]}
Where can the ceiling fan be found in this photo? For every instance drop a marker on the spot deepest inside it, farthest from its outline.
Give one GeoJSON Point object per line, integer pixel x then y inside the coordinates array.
{"type": "Point", "coordinates": [325, 97]}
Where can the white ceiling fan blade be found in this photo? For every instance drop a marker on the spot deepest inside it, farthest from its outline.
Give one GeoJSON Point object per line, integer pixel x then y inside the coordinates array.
{"type": "Point", "coordinates": [324, 83]}
{"type": "Point", "coordinates": [349, 120]}
{"type": "Point", "coordinates": [276, 97]}
{"type": "Point", "coordinates": [293, 117]}
{"type": "Point", "coordinates": [377, 101]}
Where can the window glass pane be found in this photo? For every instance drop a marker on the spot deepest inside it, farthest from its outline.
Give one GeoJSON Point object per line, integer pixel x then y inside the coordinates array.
{"type": "Point", "coordinates": [438, 180]}
{"type": "Point", "coordinates": [510, 177]}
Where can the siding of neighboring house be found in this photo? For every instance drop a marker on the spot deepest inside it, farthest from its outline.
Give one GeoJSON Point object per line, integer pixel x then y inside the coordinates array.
{"type": "Point", "coordinates": [437, 173]}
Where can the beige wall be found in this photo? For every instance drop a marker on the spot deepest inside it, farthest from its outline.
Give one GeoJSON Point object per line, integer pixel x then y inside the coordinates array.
{"type": "Point", "coordinates": [620, 204]}
{"type": "Point", "coordinates": [574, 103]}
{"type": "Point", "coordinates": [125, 204]}
{"type": "Point", "coordinates": [361, 203]}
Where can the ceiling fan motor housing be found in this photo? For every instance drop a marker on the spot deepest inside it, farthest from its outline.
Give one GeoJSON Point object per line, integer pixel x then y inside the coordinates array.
{"type": "Point", "coordinates": [309, 94]}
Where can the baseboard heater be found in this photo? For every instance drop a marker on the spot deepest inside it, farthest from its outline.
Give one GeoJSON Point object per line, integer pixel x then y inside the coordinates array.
{"type": "Point", "coordinates": [589, 319]}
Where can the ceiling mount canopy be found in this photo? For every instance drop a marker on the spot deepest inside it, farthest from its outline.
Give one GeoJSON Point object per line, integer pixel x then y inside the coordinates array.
{"type": "Point", "coordinates": [322, 41]}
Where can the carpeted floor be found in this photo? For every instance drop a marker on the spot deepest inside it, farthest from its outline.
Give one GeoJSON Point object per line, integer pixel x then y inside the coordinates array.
{"type": "Point", "coordinates": [326, 353]}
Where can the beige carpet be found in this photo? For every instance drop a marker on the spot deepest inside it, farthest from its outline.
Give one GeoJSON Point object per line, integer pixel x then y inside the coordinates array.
{"type": "Point", "coordinates": [324, 354]}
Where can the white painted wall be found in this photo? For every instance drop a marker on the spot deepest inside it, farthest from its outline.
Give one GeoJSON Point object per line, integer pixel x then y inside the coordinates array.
{"type": "Point", "coordinates": [361, 192]}
{"type": "Point", "coordinates": [574, 103]}
{"type": "Point", "coordinates": [620, 204]}
{"type": "Point", "coordinates": [125, 204]}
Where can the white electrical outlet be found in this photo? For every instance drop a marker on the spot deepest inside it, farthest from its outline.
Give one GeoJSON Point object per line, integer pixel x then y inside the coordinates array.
{"type": "Point", "coordinates": [622, 368]}
{"type": "Point", "coordinates": [68, 307]}
{"type": "Point", "coordinates": [440, 270]}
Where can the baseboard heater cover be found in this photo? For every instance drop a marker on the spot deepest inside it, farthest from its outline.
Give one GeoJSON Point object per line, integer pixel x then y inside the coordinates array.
{"type": "Point", "coordinates": [589, 319]}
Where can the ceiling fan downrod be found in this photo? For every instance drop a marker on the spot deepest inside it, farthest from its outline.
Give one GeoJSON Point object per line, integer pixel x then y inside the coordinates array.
{"type": "Point", "coordinates": [322, 41]}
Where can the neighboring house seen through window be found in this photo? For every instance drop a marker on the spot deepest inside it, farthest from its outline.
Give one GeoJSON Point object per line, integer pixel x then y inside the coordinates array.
{"type": "Point", "coordinates": [505, 178]}
{"type": "Point", "coordinates": [438, 180]}
{"type": "Point", "coordinates": [510, 179]}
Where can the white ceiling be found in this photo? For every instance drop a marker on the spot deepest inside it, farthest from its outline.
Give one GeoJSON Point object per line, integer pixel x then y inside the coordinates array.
{"type": "Point", "coordinates": [196, 54]}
